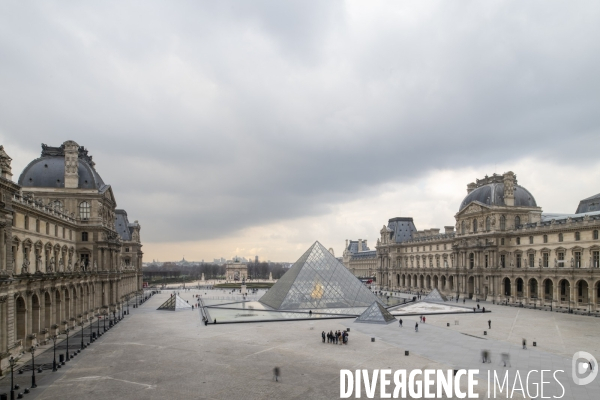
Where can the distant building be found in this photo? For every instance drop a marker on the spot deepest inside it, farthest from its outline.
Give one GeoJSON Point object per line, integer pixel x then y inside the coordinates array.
{"type": "Point", "coordinates": [236, 270]}
{"type": "Point", "coordinates": [504, 248]}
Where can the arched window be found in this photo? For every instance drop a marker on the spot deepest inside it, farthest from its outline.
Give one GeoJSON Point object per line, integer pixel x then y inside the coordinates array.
{"type": "Point", "coordinates": [560, 237]}
{"type": "Point", "coordinates": [517, 221]}
{"type": "Point", "coordinates": [84, 210]}
{"type": "Point", "coordinates": [474, 225]}
{"type": "Point", "coordinates": [502, 222]}
{"type": "Point", "coordinates": [488, 224]}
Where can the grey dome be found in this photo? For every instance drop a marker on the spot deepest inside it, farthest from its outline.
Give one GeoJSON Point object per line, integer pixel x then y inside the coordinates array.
{"type": "Point", "coordinates": [49, 171]}
{"type": "Point", "coordinates": [493, 194]}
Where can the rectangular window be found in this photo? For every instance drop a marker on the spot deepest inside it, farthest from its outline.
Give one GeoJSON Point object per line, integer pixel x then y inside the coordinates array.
{"type": "Point", "coordinates": [530, 239]}
{"type": "Point", "coordinates": [486, 260]}
{"type": "Point", "coordinates": [595, 234]}
{"type": "Point", "coordinates": [502, 242]}
{"type": "Point", "coordinates": [84, 236]}
{"type": "Point", "coordinates": [561, 259]}
{"type": "Point", "coordinates": [37, 225]}
{"type": "Point", "coordinates": [577, 259]}
{"type": "Point", "coordinates": [56, 230]}
{"type": "Point", "coordinates": [70, 234]}
{"type": "Point", "coordinates": [531, 260]}
{"type": "Point", "coordinates": [518, 240]}
{"type": "Point", "coordinates": [545, 238]}
{"type": "Point", "coordinates": [545, 257]}
{"type": "Point", "coordinates": [518, 260]}
{"type": "Point", "coordinates": [502, 261]}
{"type": "Point", "coordinates": [47, 228]}
{"type": "Point", "coordinates": [596, 259]}
{"type": "Point", "coordinates": [577, 236]}
{"type": "Point", "coordinates": [63, 232]}
{"type": "Point", "coordinates": [444, 246]}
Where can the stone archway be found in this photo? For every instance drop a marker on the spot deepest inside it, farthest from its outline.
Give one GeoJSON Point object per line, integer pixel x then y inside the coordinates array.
{"type": "Point", "coordinates": [443, 283]}
{"type": "Point", "coordinates": [564, 287]}
{"type": "Point", "coordinates": [58, 309]}
{"type": "Point", "coordinates": [582, 295]}
{"type": "Point", "coordinates": [35, 314]}
{"type": "Point", "coordinates": [519, 287]}
{"type": "Point", "coordinates": [506, 287]}
{"type": "Point", "coordinates": [451, 283]}
{"type": "Point", "coordinates": [470, 287]}
{"type": "Point", "coordinates": [47, 310]}
{"type": "Point", "coordinates": [435, 282]}
{"type": "Point", "coordinates": [21, 322]}
{"type": "Point", "coordinates": [428, 282]}
{"type": "Point", "coordinates": [548, 290]}
{"type": "Point", "coordinates": [533, 288]}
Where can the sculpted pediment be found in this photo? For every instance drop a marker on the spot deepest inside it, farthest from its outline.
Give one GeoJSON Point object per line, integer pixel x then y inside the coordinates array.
{"type": "Point", "coordinates": [473, 208]}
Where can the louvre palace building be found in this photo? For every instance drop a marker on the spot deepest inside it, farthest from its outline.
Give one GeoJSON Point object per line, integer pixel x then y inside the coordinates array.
{"type": "Point", "coordinates": [503, 247]}
{"type": "Point", "coordinates": [66, 253]}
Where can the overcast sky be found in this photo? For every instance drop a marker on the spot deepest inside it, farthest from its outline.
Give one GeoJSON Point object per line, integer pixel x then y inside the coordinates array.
{"type": "Point", "coordinates": [258, 127]}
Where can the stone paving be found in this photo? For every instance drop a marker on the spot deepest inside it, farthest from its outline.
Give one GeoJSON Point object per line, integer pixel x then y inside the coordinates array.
{"type": "Point", "coordinates": [163, 354]}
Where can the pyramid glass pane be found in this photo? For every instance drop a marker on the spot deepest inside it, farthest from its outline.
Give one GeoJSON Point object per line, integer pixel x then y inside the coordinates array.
{"type": "Point", "coordinates": [318, 281]}
{"type": "Point", "coordinates": [376, 314]}
{"type": "Point", "coordinates": [435, 296]}
{"type": "Point", "coordinates": [174, 303]}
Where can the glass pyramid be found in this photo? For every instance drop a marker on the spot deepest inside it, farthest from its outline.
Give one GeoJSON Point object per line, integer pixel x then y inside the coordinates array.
{"type": "Point", "coordinates": [376, 314]}
{"type": "Point", "coordinates": [318, 281]}
{"type": "Point", "coordinates": [435, 296]}
{"type": "Point", "coordinates": [174, 303]}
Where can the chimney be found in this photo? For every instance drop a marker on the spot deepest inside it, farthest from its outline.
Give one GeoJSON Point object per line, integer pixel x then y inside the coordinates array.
{"type": "Point", "coordinates": [71, 164]}
{"type": "Point", "coordinates": [470, 187]}
{"type": "Point", "coordinates": [365, 244]}
{"type": "Point", "coordinates": [448, 229]}
{"type": "Point", "coordinates": [434, 231]}
{"type": "Point", "coordinates": [509, 188]}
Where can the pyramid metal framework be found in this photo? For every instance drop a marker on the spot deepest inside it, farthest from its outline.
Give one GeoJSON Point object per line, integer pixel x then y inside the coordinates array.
{"type": "Point", "coordinates": [318, 281]}
{"type": "Point", "coordinates": [174, 303]}
{"type": "Point", "coordinates": [435, 296]}
{"type": "Point", "coordinates": [376, 314]}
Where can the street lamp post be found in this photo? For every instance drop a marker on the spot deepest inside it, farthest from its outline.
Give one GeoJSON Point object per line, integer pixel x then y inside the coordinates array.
{"type": "Point", "coordinates": [91, 329]}
{"type": "Point", "coordinates": [82, 345]}
{"type": "Point", "coordinates": [104, 319]}
{"type": "Point", "coordinates": [128, 297]}
{"type": "Point", "coordinates": [67, 357]}
{"type": "Point", "coordinates": [54, 338]}
{"type": "Point", "coordinates": [12, 382]}
{"type": "Point", "coordinates": [32, 350]}
{"type": "Point", "coordinates": [98, 318]}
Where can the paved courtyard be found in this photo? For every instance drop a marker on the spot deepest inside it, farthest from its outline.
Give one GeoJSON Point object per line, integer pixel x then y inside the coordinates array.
{"type": "Point", "coordinates": [160, 354]}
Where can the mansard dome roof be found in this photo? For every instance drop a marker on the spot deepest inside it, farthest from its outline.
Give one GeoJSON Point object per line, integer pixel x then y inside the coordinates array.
{"type": "Point", "coordinates": [493, 194]}
{"type": "Point", "coordinates": [48, 171]}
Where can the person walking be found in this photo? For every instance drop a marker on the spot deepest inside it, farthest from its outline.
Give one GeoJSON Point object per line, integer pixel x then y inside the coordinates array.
{"type": "Point", "coordinates": [400, 322]}
{"type": "Point", "coordinates": [490, 324]}
{"type": "Point", "coordinates": [478, 306]}
{"type": "Point", "coordinates": [464, 301]}
{"type": "Point", "coordinates": [423, 319]}
{"type": "Point", "coordinates": [416, 327]}
{"type": "Point", "coordinates": [276, 374]}
{"type": "Point", "coordinates": [524, 344]}
{"type": "Point", "coordinates": [323, 336]}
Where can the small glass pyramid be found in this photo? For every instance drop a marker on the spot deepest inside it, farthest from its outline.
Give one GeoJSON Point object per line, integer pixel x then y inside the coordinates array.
{"type": "Point", "coordinates": [174, 303]}
{"type": "Point", "coordinates": [318, 281]}
{"type": "Point", "coordinates": [376, 314]}
{"type": "Point", "coordinates": [435, 296]}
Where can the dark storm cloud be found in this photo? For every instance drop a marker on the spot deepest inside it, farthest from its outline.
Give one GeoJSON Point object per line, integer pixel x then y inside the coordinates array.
{"type": "Point", "coordinates": [209, 117]}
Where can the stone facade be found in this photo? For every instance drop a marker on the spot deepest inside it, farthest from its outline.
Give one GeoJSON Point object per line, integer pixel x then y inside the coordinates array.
{"type": "Point", "coordinates": [504, 248]}
{"type": "Point", "coordinates": [359, 259]}
{"type": "Point", "coordinates": [60, 267]}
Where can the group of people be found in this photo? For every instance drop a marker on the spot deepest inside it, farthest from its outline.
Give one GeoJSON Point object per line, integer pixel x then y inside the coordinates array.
{"type": "Point", "coordinates": [337, 337]}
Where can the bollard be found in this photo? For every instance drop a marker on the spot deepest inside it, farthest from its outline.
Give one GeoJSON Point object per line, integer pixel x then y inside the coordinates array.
{"type": "Point", "coordinates": [347, 329]}
{"type": "Point", "coordinates": [372, 339]}
{"type": "Point", "coordinates": [485, 333]}
{"type": "Point", "coordinates": [406, 352]}
{"type": "Point", "coordinates": [534, 344]}
{"type": "Point", "coordinates": [447, 323]}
